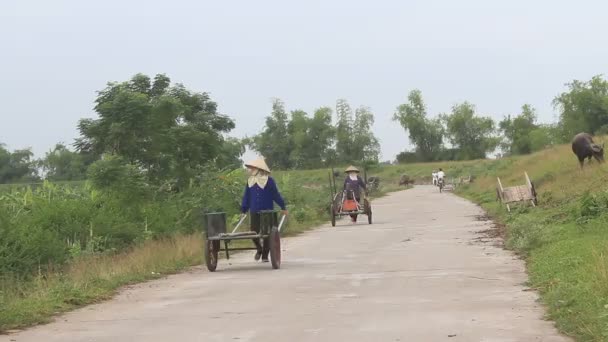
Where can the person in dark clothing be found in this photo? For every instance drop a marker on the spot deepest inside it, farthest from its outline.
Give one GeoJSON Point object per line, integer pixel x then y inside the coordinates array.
{"type": "Point", "coordinates": [353, 184]}
{"type": "Point", "coordinates": [261, 192]}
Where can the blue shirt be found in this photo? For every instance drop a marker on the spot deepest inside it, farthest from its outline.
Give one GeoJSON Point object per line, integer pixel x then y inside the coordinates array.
{"type": "Point", "coordinates": [257, 199]}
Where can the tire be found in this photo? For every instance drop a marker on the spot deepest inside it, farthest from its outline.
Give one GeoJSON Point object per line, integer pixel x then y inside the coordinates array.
{"type": "Point", "coordinates": [275, 248]}
{"type": "Point", "coordinates": [368, 211]}
{"type": "Point", "coordinates": [333, 216]}
{"type": "Point", "coordinates": [212, 249]}
{"type": "Point", "coordinates": [534, 193]}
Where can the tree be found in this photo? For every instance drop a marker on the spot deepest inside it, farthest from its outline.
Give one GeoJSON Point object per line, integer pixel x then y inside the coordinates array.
{"type": "Point", "coordinates": [365, 145]}
{"type": "Point", "coordinates": [470, 134]}
{"type": "Point", "coordinates": [424, 133]}
{"type": "Point", "coordinates": [517, 131]}
{"type": "Point", "coordinates": [344, 131]}
{"type": "Point", "coordinates": [168, 132]}
{"type": "Point", "coordinates": [274, 141]}
{"type": "Point", "coordinates": [61, 164]}
{"type": "Point", "coordinates": [231, 152]}
{"type": "Point", "coordinates": [583, 108]}
{"type": "Point", "coordinates": [322, 136]}
{"type": "Point", "coordinates": [17, 166]}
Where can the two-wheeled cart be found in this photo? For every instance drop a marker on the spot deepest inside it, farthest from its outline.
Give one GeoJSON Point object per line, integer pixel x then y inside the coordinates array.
{"type": "Point", "coordinates": [344, 203]}
{"type": "Point", "coordinates": [216, 235]}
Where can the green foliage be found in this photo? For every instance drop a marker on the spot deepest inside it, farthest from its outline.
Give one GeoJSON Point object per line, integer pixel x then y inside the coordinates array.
{"type": "Point", "coordinates": [426, 134]}
{"type": "Point", "coordinates": [61, 164]}
{"type": "Point", "coordinates": [168, 131]}
{"type": "Point", "coordinates": [472, 135]}
{"type": "Point", "coordinates": [304, 142]}
{"type": "Point", "coordinates": [17, 166]}
{"type": "Point", "coordinates": [583, 108]}
{"type": "Point", "coordinates": [274, 142]}
{"type": "Point", "coordinates": [517, 131]}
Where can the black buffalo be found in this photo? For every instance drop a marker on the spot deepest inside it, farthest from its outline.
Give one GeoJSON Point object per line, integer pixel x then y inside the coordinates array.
{"type": "Point", "coordinates": [584, 147]}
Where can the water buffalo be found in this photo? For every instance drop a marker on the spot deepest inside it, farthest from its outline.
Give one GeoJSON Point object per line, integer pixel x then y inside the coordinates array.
{"type": "Point", "coordinates": [584, 147]}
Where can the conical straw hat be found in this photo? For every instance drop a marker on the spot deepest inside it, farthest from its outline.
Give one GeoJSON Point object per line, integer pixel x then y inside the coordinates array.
{"type": "Point", "coordinates": [351, 169]}
{"type": "Point", "coordinates": [259, 164]}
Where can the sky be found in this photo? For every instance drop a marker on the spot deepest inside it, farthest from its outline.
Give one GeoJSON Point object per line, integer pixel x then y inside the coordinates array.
{"type": "Point", "coordinates": [55, 55]}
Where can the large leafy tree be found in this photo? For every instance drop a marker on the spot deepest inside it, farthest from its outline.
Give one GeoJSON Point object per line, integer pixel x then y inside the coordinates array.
{"type": "Point", "coordinates": [63, 164]}
{"type": "Point", "coordinates": [365, 145]}
{"type": "Point", "coordinates": [517, 131]}
{"type": "Point", "coordinates": [322, 135]}
{"type": "Point", "coordinates": [424, 133]}
{"type": "Point", "coordinates": [17, 166]}
{"type": "Point", "coordinates": [584, 107]}
{"type": "Point", "coordinates": [344, 131]}
{"type": "Point", "coordinates": [472, 135]}
{"type": "Point", "coordinates": [274, 142]}
{"type": "Point", "coordinates": [167, 131]}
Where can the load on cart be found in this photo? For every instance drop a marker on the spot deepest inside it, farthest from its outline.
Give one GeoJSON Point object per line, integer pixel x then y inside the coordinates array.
{"type": "Point", "coordinates": [261, 192]}
{"type": "Point", "coordinates": [351, 201]}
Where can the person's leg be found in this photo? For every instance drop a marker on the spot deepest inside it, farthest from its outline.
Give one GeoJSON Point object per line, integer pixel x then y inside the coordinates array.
{"type": "Point", "coordinates": [266, 245]}
{"type": "Point", "coordinates": [255, 227]}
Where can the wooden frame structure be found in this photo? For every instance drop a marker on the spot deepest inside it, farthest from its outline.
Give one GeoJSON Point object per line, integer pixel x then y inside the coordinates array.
{"type": "Point", "coordinates": [518, 193]}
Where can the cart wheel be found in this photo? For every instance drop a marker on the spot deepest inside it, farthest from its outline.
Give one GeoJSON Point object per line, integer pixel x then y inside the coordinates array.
{"type": "Point", "coordinates": [333, 216]}
{"type": "Point", "coordinates": [369, 216]}
{"type": "Point", "coordinates": [211, 252]}
{"type": "Point", "coordinates": [275, 248]}
{"type": "Point", "coordinates": [533, 190]}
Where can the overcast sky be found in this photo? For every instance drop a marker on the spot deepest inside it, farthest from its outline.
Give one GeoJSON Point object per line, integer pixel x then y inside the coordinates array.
{"type": "Point", "coordinates": [54, 56]}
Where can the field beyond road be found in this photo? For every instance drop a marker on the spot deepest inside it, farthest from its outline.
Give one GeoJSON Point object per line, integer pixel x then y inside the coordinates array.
{"type": "Point", "coordinates": [422, 272]}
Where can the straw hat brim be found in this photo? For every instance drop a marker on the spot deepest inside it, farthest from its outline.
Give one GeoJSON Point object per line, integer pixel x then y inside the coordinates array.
{"type": "Point", "coordinates": [259, 163]}
{"type": "Point", "coordinates": [351, 169]}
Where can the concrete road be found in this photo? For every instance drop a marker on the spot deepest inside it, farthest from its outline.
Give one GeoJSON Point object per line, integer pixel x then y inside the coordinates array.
{"type": "Point", "coordinates": [419, 273]}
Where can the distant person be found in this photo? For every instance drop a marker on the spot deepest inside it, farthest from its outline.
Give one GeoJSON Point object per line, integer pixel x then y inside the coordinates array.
{"type": "Point", "coordinates": [260, 193]}
{"type": "Point", "coordinates": [441, 174]}
{"type": "Point", "coordinates": [355, 183]}
{"type": "Point", "coordinates": [434, 174]}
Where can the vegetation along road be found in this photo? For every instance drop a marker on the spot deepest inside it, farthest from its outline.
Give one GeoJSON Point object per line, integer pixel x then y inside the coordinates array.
{"type": "Point", "coordinates": [424, 271]}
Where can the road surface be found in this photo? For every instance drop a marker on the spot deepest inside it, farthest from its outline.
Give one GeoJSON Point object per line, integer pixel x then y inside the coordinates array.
{"type": "Point", "coordinates": [419, 273]}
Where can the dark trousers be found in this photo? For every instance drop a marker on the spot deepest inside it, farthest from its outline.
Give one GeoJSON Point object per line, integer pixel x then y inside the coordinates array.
{"type": "Point", "coordinates": [354, 216]}
{"type": "Point", "coordinates": [255, 226]}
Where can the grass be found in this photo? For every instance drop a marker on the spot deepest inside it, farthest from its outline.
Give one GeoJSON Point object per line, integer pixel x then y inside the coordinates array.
{"type": "Point", "coordinates": [564, 241]}
{"type": "Point", "coordinates": [92, 278]}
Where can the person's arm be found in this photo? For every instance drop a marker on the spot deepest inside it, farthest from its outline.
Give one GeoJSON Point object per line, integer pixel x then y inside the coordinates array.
{"type": "Point", "coordinates": [276, 196]}
{"type": "Point", "coordinates": [245, 202]}
{"type": "Point", "coordinates": [362, 183]}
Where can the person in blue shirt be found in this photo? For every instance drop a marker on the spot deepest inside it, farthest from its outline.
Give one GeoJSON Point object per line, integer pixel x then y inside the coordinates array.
{"type": "Point", "coordinates": [261, 192]}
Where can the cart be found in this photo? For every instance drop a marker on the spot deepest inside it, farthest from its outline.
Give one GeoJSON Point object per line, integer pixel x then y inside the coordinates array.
{"type": "Point", "coordinates": [216, 235]}
{"type": "Point", "coordinates": [518, 193]}
{"type": "Point", "coordinates": [344, 203]}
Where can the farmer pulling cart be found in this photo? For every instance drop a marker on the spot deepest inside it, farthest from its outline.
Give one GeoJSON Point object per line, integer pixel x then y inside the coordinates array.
{"type": "Point", "coordinates": [261, 193]}
{"type": "Point", "coordinates": [350, 200]}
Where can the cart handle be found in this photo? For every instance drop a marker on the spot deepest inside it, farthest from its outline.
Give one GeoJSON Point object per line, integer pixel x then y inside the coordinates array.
{"type": "Point", "coordinates": [238, 224]}
{"type": "Point", "coordinates": [282, 221]}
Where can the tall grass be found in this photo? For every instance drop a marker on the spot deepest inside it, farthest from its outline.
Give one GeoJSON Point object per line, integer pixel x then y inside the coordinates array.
{"type": "Point", "coordinates": [92, 278]}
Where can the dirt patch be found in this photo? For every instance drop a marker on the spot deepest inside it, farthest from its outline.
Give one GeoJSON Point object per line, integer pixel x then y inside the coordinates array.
{"type": "Point", "coordinates": [495, 234]}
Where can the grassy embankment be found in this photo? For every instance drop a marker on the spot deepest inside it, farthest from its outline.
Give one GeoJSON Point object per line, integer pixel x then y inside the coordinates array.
{"type": "Point", "coordinates": [564, 240]}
